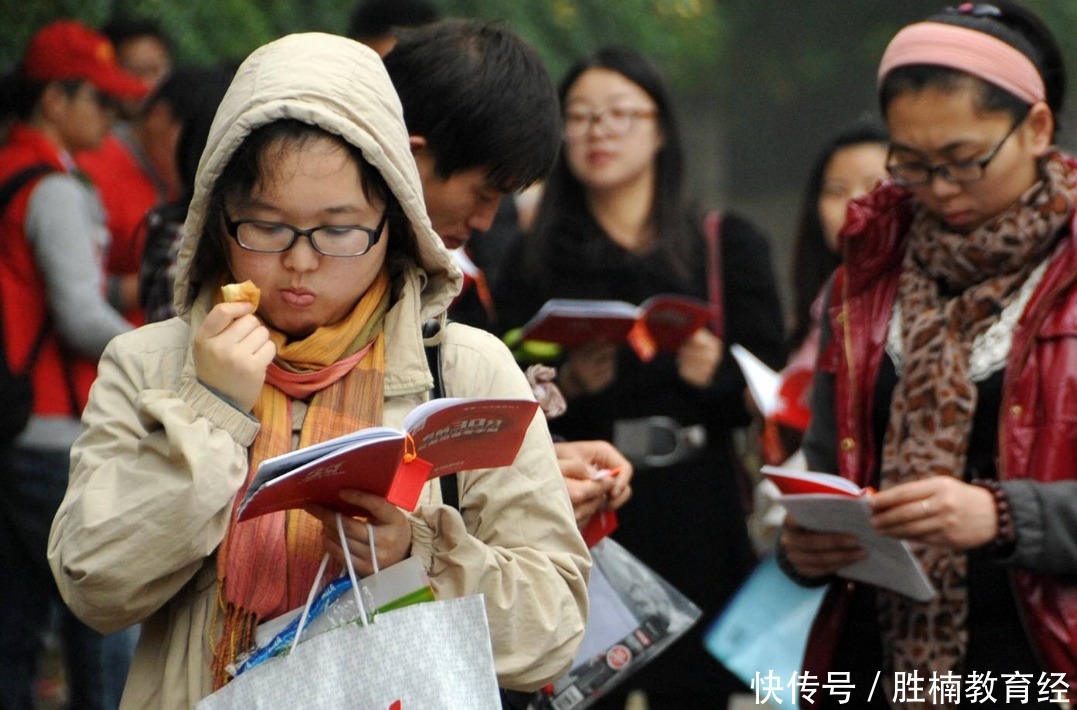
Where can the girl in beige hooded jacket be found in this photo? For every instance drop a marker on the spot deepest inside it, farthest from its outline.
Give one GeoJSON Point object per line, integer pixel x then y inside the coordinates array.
{"type": "Point", "coordinates": [310, 134]}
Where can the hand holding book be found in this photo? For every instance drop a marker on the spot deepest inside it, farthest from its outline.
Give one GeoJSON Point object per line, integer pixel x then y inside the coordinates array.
{"type": "Point", "coordinates": [439, 437]}
{"type": "Point", "coordinates": [827, 503]}
{"type": "Point", "coordinates": [661, 323]}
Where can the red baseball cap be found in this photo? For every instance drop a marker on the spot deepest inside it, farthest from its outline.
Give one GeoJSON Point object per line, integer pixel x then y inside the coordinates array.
{"type": "Point", "coordinates": [67, 49]}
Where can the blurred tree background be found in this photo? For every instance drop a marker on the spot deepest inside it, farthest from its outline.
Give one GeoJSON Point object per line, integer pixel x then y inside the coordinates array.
{"type": "Point", "coordinates": [760, 83]}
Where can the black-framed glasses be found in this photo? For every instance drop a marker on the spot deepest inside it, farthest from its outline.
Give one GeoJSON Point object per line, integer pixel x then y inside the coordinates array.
{"type": "Point", "coordinates": [616, 120]}
{"type": "Point", "coordinates": [958, 171]}
{"type": "Point", "coordinates": [276, 237]}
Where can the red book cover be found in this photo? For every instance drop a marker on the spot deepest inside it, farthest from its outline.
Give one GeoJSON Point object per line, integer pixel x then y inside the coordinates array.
{"type": "Point", "coordinates": [794, 482]}
{"type": "Point", "coordinates": [661, 322]}
{"type": "Point", "coordinates": [440, 436]}
{"type": "Point", "coordinates": [572, 322]}
{"type": "Point", "coordinates": [599, 526]}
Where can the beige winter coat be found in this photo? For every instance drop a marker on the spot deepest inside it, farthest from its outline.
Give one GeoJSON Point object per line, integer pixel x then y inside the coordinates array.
{"type": "Point", "coordinates": [155, 473]}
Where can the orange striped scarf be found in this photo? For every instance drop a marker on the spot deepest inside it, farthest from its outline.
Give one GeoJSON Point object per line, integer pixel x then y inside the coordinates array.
{"type": "Point", "coordinates": [266, 566]}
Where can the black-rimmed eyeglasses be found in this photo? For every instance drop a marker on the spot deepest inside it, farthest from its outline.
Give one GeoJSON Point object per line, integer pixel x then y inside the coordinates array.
{"type": "Point", "coordinates": [276, 237]}
{"type": "Point", "coordinates": [958, 171]}
{"type": "Point", "coordinates": [615, 120]}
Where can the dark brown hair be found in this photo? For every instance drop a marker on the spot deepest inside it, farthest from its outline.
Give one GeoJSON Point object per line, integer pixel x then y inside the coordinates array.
{"type": "Point", "coordinates": [246, 170]}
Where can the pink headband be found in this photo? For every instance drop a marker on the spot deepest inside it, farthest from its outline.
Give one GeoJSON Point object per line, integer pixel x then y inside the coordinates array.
{"type": "Point", "coordinates": [970, 51]}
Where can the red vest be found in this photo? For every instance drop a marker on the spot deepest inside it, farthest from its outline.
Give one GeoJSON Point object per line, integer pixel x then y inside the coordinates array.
{"type": "Point", "coordinates": [127, 193]}
{"type": "Point", "coordinates": [22, 290]}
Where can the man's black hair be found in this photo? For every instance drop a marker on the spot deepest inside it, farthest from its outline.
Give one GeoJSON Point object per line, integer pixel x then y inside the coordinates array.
{"type": "Point", "coordinates": [481, 97]}
{"type": "Point", "coordinates": [186, 89]}
{"type": "Point", "coordinates": [373, 19]}
{"type": "Point", "coordinates": [193, 95]}
{"type": "Point", "coordinates": [121, 28]}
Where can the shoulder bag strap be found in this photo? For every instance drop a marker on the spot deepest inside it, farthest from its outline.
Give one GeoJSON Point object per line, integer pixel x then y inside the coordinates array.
{"type": "Point", "coordinates": [712, 228]}
{"type": "Point", "coordinates": [450, 488]}
{"type": "Point", "coordinates": [7, 192]}
{"type": "Point", "coordinates": [20, 179]}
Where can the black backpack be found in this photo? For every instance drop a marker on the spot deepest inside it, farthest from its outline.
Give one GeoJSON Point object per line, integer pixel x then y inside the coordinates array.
{"type": "Point", "coordinates": [17, 386]}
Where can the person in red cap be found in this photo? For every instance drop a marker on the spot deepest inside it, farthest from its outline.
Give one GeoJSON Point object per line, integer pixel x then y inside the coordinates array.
{"type": "Point", "coordinates": [134, 168]}
{"type": "Point", "coordinates": [56, 322]}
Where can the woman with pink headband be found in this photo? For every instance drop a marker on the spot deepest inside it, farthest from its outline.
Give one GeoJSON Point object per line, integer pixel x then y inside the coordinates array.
{"type": "Point", "coordinates": [947, 381]}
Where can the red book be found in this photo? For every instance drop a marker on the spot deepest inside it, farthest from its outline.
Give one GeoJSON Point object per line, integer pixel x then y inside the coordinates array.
{"type": "Point", "coordinates": [829, 503]}
{"type": "Point", "coordinates": [439, 437]}
{"type": "Point", "coordinates": [795, 482]}
{"type": "Point", "coordinates": [661, 322]}
{"type": "Point", "coordinates": [599, 526]}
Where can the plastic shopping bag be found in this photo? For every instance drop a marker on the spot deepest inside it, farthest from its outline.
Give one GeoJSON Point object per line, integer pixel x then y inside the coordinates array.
{"type": "Point", "coordinates": [764, 629]}
{"type": "Point", "coordinates": [635, 615]}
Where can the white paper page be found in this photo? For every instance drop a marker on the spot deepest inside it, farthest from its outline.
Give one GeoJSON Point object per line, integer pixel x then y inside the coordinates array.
{"type": "Point", "coordinates": [588, 307]}
{"type": "Point", "coordinates": [274, 470]}
{"type": "Point", "coordinates": [763, 382]}
{"type": "Point", "coordinates": [273, 467]}
{"type": "Point", "coordinates": [890, 563]}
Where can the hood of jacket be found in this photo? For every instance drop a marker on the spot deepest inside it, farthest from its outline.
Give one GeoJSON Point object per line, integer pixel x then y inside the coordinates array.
{"type": "Point", "coordinates": [341, 86]}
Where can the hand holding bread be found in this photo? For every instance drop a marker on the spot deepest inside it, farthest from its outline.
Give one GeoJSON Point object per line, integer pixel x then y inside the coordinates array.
{"type": "Point", "coordinates": [232, 348]}
{"type": "Point", "coordinates": [245, 292]}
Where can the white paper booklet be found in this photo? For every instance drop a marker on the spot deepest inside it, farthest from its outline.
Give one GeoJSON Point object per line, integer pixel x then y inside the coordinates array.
{"type": "Point", "coordinates": [890, 562]}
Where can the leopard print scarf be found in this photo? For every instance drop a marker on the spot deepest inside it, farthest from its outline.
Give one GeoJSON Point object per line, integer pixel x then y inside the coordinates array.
{"type": "Point", "coordinates": [952, 288]}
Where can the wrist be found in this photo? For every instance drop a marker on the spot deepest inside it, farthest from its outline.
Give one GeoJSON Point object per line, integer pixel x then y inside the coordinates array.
{"type": "Point", "coordinates": [1005, 532]}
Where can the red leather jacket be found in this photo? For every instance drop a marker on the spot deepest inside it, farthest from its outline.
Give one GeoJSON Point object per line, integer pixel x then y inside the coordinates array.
{"type": "Point", "coordinates": [1037, 423]}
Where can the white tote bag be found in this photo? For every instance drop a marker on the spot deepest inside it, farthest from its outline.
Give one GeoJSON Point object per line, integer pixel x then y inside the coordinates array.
{"type": "Point", "coordinates": [428, 656]}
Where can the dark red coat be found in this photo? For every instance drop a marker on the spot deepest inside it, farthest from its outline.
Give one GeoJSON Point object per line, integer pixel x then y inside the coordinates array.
{"type": "Point", "coordinates": [1037, 423]}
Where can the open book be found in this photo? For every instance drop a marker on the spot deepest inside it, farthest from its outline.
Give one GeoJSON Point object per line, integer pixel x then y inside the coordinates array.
{"type": "Point", "coordinates": [764, 383]}
{"type": "Point", "coordinates": [661, 322]}
{"type": "Point", "coordinates": [825, 502]}
{"type": "Point", "coordinates": [439, 437]}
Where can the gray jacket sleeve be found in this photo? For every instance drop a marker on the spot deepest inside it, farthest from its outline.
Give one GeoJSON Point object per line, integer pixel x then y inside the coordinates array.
{"type": "Point", "coordinates": [65, 228]}
{"type": "Point", "coordinates": [1045, 519]}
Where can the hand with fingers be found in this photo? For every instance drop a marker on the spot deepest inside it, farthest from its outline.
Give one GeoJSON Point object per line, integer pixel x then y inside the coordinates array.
{"type": "Point", "coordinates": [232, 350]}
{"type": "Point", "coordinates": [940, 510]}
{"type": "Point", "coordinates": [388, 524]}
{"type": "Point", "coordinates": [597, 475]}
{"type": "Point", "coordinates": [814, 554]}
{"type": "Point", "coordinates": [699, 357]}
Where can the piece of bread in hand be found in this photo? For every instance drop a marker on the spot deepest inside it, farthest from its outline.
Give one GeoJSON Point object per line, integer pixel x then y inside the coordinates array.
{"type": "Point", "coordinates": [242, 292]}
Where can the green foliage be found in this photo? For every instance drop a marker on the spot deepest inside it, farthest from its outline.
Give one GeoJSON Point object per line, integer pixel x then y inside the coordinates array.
{"type": "Point", "coordinates": [684, 35]}
{"type": "Point", "coordinates": [772, 73]}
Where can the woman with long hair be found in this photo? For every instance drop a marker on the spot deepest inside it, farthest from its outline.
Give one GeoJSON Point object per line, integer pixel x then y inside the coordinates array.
{"type": "Point", "coordinates": [614, 223]}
